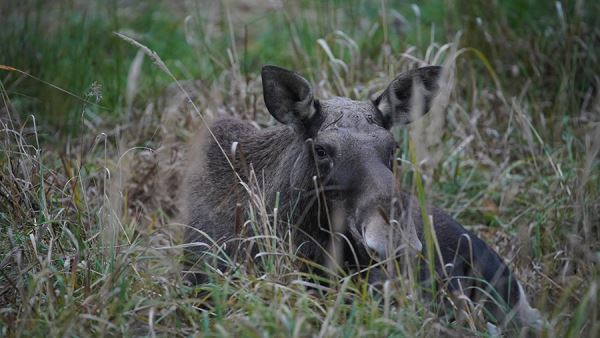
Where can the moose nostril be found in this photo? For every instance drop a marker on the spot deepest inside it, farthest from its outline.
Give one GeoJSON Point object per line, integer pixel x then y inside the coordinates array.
{"type": "Point", "coordinates": [387, 237]}
{"type": "Point", "coordinates": [375, 235]}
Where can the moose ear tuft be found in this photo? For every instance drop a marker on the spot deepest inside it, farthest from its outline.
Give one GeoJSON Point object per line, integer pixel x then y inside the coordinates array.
{"type": "Point", "coordinates": [409, 96]}
{"type": "Point", "coordinates": [288, 96]}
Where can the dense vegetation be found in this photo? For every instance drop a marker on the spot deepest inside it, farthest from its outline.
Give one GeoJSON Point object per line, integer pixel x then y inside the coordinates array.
{"type": "Point", "coordinates": [94, 131]}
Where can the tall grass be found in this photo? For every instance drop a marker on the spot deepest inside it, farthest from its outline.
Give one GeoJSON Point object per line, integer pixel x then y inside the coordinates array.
{"type": "Point", "coordinates": [91, 240]}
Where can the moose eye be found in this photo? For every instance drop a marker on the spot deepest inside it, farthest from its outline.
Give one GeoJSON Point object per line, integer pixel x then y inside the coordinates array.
{"type": "Point", "coordinates": [320, 152]}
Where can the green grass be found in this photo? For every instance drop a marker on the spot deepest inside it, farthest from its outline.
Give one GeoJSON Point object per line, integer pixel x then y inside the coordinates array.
{"type": "Point", "coordinates": [88, 190]}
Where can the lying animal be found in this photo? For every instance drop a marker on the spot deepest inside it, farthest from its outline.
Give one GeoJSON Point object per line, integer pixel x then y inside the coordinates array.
{"type": "Point", "coordinates": [335, 157]}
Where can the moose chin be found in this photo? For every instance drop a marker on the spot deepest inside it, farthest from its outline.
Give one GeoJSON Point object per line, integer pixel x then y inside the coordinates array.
{"type": "Point", "coordinates": [336, 157]}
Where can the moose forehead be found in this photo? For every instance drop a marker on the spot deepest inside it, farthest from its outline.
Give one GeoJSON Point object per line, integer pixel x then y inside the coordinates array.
{"type": "Point", "coordinates": [340, 112]}
{"type": "Point", "coordinates": [353, 125]}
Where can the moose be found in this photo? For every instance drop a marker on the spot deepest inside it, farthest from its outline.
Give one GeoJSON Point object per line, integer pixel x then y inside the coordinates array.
{"type": "Point", "coordinates": [335, 157]}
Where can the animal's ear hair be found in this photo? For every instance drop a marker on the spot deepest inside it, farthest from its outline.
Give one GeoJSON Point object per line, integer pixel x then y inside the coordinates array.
{"type": "Point", "coordinates": [409, 96]}
{"type": "Point", "coordinates": [288, 96]}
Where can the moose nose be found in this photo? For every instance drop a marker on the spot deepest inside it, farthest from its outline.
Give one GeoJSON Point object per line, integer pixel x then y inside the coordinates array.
{"type": "Point", "coordinates": [375, 235]}
{"type": "Point", "coordinates": [389, 238]}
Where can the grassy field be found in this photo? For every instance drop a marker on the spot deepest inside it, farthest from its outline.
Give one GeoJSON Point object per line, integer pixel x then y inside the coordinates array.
{"type": "Point", "coordinates": [94, 132]}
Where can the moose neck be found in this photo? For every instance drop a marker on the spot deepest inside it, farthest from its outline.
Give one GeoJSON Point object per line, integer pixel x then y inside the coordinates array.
{"type": "Point", "coordinates": [282, 165]}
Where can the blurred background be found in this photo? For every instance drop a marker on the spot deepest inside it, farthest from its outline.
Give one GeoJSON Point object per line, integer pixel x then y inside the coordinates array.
{"type": "Point", "coordinates": [550, 46]}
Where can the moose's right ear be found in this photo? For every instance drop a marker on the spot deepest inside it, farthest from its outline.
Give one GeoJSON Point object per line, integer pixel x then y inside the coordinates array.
{"type": "Point", "coordinates": [409, 96]}
{"type": "Point", "coordinates": [288, 96]}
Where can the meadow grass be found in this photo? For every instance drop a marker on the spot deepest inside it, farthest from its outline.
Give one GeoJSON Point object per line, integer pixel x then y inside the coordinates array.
{"type": "Point", "coordinates": [89, 182]}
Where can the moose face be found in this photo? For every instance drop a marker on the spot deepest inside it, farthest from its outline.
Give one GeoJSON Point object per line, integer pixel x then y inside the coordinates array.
{"type": "Point", "coordinates": [352, 150]}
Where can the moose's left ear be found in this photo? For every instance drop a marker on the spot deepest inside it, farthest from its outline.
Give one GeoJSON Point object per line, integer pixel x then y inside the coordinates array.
{"type": "Point", "coordinates": [288, 96]}
{"type": "Point", "coordinates": [409, 96]}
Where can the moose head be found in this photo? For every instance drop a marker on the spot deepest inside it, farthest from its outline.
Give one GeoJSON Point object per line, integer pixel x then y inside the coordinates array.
{"type": "Point", "coordinates": [352, 150]}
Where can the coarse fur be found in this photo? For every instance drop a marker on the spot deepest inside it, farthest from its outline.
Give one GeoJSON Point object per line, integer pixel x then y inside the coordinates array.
{"type": "Point", "coordinates": [334, 158]}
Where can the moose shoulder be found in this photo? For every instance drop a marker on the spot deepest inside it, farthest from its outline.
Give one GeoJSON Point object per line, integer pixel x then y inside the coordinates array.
{"type": "Point", "coordinates": [334, 157]}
